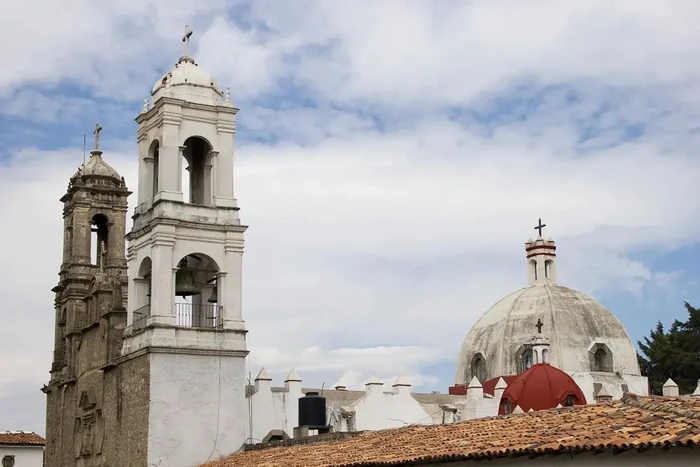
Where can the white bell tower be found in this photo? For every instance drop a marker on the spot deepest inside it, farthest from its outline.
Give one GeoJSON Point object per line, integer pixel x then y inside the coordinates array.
{"type": "Point", "coordinates": [184, 320]}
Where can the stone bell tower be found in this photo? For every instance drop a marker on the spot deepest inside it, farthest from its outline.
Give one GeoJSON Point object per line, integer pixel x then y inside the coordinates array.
{"type": "Point", "coordinates": [90, 315]}
{"type": "Point", "coordinates": [184, 324]}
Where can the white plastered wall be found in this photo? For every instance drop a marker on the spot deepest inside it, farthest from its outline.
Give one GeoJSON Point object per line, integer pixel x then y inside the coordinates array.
{"type": "Point", "coordinates": [197, 408]}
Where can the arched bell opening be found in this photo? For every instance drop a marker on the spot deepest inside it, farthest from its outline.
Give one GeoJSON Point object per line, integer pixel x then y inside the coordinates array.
{"type": "Point", "coordinates": [196, 171]}
{"type": "Point", "coordinates": [143, 285]}
{"type": "Point", "coordinates": [154, 167]}
{"type": "Point", "coordinates": [196, 292]}
{"type": "Point", "coordinates": [99, 235]}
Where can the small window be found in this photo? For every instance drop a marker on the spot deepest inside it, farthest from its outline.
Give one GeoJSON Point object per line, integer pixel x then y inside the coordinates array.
{"type": "Point", "coordinates": [8, 461]}
{"type": "Point", "coordinates": [569, 401]}
{"type": "Point", "coordinates": [533, 267]}
{"type": "Point", "coordinates": [507, 407]}
{"type": "Point", "coordinates": [524, 359]}
{"type": "Point", "coordinates": [601, 358]}
{"type": "Point", "coordinates": [479, 367]}
{"type": "Point", "coordinates": [545, 356]}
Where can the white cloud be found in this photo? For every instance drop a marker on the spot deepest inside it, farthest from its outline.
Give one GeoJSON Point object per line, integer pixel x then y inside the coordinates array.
{"type": "Point", "coordinates": [374, 251]}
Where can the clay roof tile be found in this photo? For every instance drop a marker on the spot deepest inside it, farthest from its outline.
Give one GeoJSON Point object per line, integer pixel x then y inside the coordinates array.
{"type": "Point", "coordinates": [632, 422]}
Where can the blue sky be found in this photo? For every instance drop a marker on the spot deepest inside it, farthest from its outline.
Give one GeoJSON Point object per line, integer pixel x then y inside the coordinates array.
{"type": "Point", "coordinates": [392, 159]}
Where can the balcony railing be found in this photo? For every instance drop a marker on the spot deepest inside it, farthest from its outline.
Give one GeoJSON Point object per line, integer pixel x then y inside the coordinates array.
{"type": "Point", "coordinates": [197, 315]}
{"type": "Point", "coordinates": [186, 315]}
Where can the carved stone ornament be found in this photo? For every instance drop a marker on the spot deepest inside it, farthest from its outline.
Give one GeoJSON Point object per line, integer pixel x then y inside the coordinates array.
{"type": "Point", "coordinates": [89, 428]}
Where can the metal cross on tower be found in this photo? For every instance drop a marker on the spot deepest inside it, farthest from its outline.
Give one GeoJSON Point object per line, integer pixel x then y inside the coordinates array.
{"type": "Point", "coordinates": [98, 128]}
{"type": "Point", "coordinates": [186, 40]}
{"type": "Point", "coordinates": [540, 226]}
{"type": "Point", "coordinates": [539, 326]}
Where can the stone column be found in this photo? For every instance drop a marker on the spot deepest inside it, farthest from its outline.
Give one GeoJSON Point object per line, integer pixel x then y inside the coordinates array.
{"type": "Point", "coordinates": [210, 185]}
{"type": "Point", "coordinates": [148, 176]}
{"type": "Point", "coordinates": [169, 161]}
{"type": "Point", "coordinates": [233, 264]}
{"type": "Point", "coordinates": [142, 140]}
{"type": "Point", "coordinates": [162, 283]}
{"type": "Point", "coordinates": [223, 182]}
{"type": "Point", "coordinates": [221, 298]}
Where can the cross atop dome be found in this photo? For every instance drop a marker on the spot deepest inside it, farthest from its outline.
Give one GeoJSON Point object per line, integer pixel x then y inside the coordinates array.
{"type": "Point", "coordinates": [186, 40]}
{"type": "Point", "coordinates": [96, 151]}
{"type": "Point", "coordinates": [539, 326]}
{"type": "Point", "coordinates": [539, 227]}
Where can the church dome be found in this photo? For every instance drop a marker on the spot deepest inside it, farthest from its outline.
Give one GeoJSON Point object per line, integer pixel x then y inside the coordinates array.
{"type": "Point", "coordinates": [542, 387]}
{"type": "Point", "coordinates": [187, 81]}
{"type": "Point", "coordinates": [97, 167]}
{"type": "Point", "coordinates": [583, 335]}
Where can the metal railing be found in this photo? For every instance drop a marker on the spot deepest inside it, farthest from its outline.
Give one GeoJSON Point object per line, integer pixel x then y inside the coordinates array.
{"type": "Point", "coordinates": [186, 315]}
{"type": "Point", "coordinates": [197, 315]}
{"type": "Point", "coordinates": [141, 317]}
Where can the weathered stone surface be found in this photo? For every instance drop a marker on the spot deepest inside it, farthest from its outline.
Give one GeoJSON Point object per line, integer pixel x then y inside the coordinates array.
{"type": "Point", "coordinates": [90, 314]}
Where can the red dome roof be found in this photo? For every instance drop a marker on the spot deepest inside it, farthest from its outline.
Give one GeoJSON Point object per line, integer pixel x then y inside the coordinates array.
{"type": "Point", "coordinates": [541, 387]}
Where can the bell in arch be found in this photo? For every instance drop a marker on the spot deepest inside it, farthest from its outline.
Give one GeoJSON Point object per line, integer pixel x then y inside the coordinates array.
{"type": "Point", "coordinates": [214, 293]}
{"type": "Point", "coordinates": [185, 283]}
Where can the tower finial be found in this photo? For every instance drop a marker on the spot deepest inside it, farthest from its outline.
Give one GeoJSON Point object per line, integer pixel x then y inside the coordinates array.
{"type": "Point", "coordinates": [186, 40]}
{"type": "Point", "coordinates": [539, 326]}
{"type": "Point", "coordinates": [97, 131]}
{"type": "Point", "coordinates": [540, 226]}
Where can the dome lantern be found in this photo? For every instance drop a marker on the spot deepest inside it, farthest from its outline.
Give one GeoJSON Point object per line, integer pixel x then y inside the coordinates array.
{"type": "Point", "coordinates": [540, 345]}
{"type": "Point", "coordinates": [541, 255]}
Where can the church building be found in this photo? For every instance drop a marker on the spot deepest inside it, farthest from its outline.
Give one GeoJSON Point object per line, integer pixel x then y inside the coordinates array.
{"type": "Point", "coordinates": [150, 346]}
{"type": "Point", "coordinates": [149, 361]}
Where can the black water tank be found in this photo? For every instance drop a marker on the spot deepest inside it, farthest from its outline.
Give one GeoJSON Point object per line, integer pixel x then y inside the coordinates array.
{"type": "Point", "coordinates": [312, 410]}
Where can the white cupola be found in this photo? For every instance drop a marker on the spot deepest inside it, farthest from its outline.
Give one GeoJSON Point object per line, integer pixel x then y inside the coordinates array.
{"type": "Point", "coordinates": [541, 255]}
{"type": "Point", "coordinates": [187, 81]}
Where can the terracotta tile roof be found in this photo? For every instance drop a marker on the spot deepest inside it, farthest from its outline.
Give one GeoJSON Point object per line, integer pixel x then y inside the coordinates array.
{"type": "Point", "coordinates": [21, 438]}
{"type": "Point", "coordinates": [631, 423]}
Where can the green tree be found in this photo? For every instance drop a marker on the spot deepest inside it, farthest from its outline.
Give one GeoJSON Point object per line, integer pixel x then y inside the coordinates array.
{"type": "Point", "coordinates": [673, 354]}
